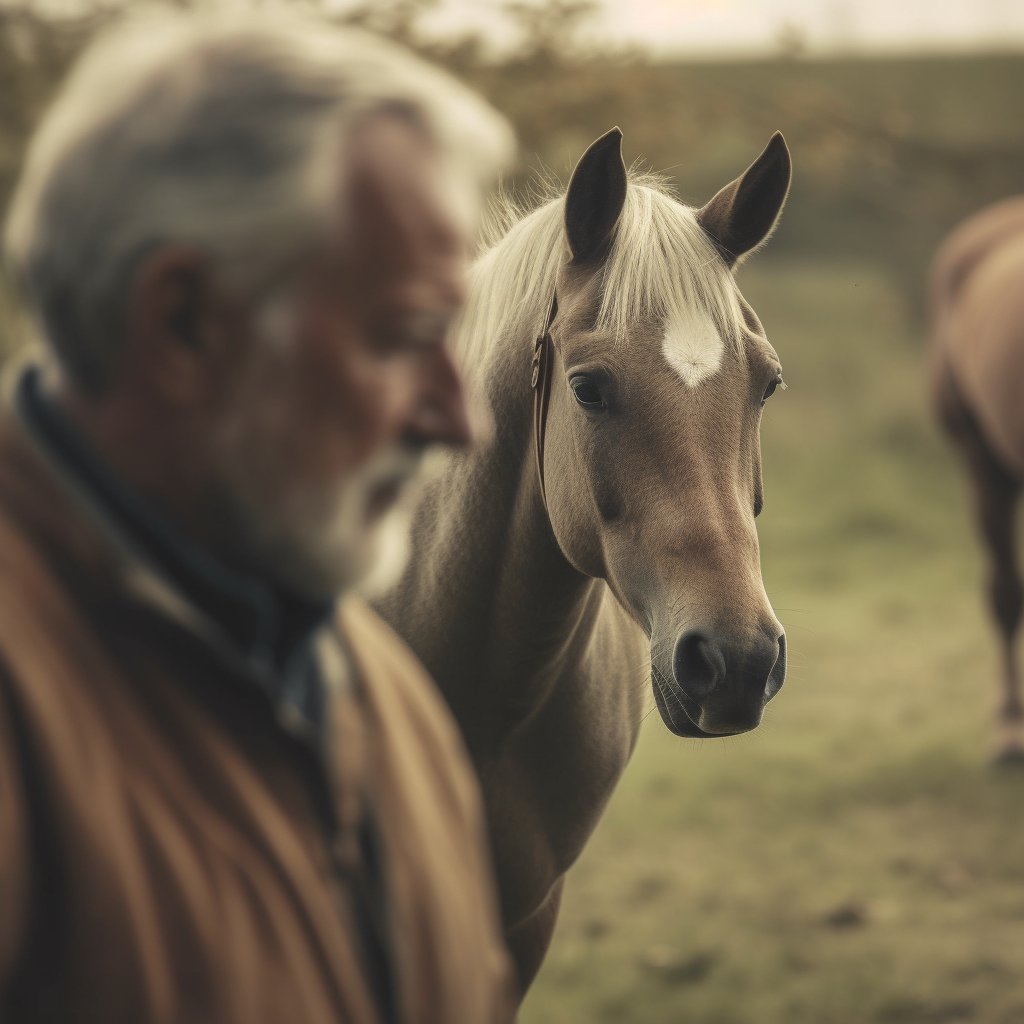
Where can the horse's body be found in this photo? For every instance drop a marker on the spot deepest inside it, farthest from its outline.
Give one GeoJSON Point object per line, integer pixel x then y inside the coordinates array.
{"type": "Point", "coordinates": [977, 378]}
{"type": "Point", "coordinates": [539, 601]}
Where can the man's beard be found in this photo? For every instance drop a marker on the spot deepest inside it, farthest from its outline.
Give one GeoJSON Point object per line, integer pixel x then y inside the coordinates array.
{"type": "Point", "coordinates": [321, 540]}
{"type": "Point", "coordinates": [317, 538]}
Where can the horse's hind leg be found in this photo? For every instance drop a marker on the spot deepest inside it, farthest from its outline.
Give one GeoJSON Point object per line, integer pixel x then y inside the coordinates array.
{"type": "Point", "coordinates": [996, 497]}
{"type": "Point", "coordinates": [996, 492]}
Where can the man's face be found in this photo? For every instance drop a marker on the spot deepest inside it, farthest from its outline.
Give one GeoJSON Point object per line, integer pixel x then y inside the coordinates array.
{"type": "Point", "coordinates": [346, 377]}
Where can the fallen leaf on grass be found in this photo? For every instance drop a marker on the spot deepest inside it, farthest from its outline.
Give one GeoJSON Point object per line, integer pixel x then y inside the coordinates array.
{"type": "Point", "coordinates": [677, 968]}
{"type": "Point", "coordinates": [852, 914]}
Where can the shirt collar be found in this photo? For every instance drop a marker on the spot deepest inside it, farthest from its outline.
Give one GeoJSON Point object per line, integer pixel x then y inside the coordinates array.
{"type": "Point", "coordinates": [271, 626]}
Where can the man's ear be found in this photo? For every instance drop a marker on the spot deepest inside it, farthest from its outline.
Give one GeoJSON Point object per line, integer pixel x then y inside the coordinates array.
{"type": "Point", "coordinates": [594, 201]}
{"type": "Point", "coordinates": [173, 328]}
{"type": "Point", "coordinates": [745, 212]}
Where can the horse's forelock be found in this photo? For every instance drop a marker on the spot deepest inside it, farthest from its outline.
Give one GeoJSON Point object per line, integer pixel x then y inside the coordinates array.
{"type": "Point", "coordinates": [661, 266]}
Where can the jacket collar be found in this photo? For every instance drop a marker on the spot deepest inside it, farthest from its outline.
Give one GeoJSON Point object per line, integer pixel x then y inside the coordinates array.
{"type": "Point", "coordinates": [266, 629]}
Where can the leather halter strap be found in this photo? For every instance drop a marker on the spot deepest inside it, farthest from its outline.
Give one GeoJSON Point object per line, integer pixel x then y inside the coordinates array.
{"type": "Point", "coordinates": [543, 357]}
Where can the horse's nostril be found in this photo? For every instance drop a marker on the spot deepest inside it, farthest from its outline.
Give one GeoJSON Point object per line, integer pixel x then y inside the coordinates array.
{"type": "Point", "coordinates": [777, 676]}
{"type": "Point", "coordinates": [698, 665]}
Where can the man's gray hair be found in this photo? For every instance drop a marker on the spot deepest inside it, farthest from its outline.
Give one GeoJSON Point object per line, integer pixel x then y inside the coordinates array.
{"type": "Point", "coordinates": [214, 132]}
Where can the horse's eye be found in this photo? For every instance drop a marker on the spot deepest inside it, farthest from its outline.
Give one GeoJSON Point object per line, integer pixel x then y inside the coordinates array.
{"type": "Point", "coordinates": [778, 382]}
{"type": "Point", "coordinates": [586, 393]}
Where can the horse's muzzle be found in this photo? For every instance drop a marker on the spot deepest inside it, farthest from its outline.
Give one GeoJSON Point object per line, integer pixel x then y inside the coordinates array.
{"type": "Point", "coordinates": [718, 687]}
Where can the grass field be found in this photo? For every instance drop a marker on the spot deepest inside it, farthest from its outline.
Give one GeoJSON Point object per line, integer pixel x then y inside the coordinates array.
{"type": "Point", "coordinates": [855, 859]}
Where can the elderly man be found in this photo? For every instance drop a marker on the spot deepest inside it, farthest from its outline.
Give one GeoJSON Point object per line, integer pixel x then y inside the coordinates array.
{"type": "Point", "coordinates": [225, 795]}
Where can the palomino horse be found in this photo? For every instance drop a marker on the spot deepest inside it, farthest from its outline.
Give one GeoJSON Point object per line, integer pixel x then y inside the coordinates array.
{"type": "Point", "coordinates": [978, 389]}
{"type": "Point", "coordinates": [603, 534]}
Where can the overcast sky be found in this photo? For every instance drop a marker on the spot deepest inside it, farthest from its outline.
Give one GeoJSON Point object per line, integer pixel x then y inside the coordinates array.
{"type": "Point", "coordinates": [743, 26]}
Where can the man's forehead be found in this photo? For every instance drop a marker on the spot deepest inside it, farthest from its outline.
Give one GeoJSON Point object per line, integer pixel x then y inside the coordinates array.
{"type": "Point", "coordinates": [398, 186]}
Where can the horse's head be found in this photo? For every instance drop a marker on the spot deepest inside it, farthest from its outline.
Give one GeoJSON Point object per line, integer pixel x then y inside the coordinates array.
{"type": "Point", "coordinates": [652, 468]}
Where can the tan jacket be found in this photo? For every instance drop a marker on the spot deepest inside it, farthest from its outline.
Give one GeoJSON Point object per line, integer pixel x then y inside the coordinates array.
{"type": "Point", "coordinates": [162, 857]}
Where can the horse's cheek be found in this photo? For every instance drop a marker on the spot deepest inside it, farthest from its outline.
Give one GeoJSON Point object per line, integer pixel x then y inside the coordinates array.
{"type": "Point", "coordinates": [578, 502]}
{"type": "Point", "coordinates": [609, 501]}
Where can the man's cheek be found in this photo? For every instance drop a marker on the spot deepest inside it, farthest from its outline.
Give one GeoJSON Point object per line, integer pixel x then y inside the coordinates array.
{"type": "Point", "coordinates": [353, 400]}
{"type": "Point", "coordinates": [370, 418]}
{"type": "Point", "coordinates": [384, 391]}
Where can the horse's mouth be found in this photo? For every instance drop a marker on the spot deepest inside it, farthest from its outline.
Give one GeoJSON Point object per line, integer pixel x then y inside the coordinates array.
{"type": "Point", "coordinates": [679, 712]}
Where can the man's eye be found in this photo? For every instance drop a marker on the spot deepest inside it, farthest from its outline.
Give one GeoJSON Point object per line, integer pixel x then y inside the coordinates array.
{"type": "Point", "coordinates": [586, 393]}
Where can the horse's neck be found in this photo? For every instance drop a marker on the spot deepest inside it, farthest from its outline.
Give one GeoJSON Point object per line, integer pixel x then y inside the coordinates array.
{"type": "Point", "coordinates": [489, 602]}
{"type": "Point", "coordinates": [542, 669]}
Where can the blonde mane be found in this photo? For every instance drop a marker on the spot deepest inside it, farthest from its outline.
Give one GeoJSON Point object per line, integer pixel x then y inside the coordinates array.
{"type": "Point", "coordinates": [661, 266]}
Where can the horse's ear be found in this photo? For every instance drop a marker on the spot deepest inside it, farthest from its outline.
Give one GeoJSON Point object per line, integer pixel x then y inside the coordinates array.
{"type": "Point", "coordinates": [744, 213]}
{"type": "Point", "coordinates": [595, 197]}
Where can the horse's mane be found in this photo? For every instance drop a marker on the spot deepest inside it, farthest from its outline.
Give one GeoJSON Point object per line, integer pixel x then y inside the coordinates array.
{"type": "Point", "coordinates": [661, 266]}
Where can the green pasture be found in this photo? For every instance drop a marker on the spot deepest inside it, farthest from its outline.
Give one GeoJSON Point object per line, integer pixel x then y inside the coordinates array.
{"type": "Point", "coordinates": [856, 859]}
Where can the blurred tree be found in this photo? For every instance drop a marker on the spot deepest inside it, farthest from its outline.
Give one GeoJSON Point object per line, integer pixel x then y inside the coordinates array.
{"type": "Point", "coordinates": [398, 19]}
{"type": "Point", "coordinates": [791, 40]}
{"type": "Point", "coordinates": [888, 154]}
{"type": "Point", "coordinates": [35, 51]}
{"type": "Point", "coordinates": [550, 33]}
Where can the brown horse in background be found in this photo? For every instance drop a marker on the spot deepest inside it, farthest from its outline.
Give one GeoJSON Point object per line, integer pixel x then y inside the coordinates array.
{"type": "Point", "coordinates": [977, 289]}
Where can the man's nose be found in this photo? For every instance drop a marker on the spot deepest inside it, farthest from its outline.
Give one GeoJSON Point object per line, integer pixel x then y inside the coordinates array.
{"type": "Point", "coordinates": [441, 414]}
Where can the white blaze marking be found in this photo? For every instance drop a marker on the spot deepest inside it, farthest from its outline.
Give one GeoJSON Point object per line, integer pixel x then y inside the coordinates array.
{"type": "Point", "coordinates": [693, 348]}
